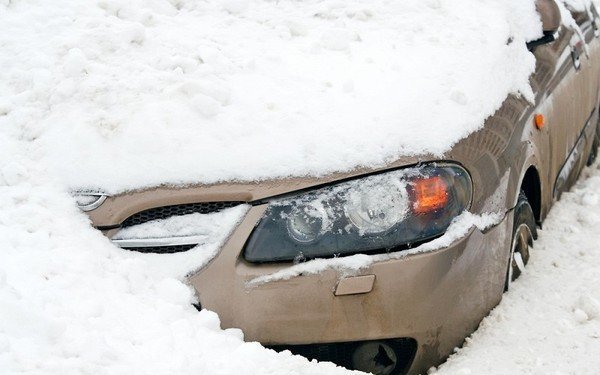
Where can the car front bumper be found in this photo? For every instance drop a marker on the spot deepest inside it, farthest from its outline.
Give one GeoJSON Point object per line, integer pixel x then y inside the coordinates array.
{"type": "Point", "coordinates": [436, 298]}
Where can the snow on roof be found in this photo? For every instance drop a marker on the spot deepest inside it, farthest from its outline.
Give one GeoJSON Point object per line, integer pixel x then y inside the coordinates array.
{"type": "Point", "coordinates": [125, 94]}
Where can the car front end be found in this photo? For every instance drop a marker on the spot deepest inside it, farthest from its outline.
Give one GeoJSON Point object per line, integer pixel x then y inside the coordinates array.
{"type": "Point", "coordinates": [379, 270]}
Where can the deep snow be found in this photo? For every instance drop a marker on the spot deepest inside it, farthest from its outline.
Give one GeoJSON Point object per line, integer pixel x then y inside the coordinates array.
{"type": "Point", "coordinates": [73, 303]}
{"type": "Point", "coordinates": [113, 91]}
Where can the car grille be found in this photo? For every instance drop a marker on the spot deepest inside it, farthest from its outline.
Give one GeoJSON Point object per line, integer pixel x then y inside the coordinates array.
{"type": "Point", "coordinates": [162, 249]}
{"type": "Point", "coordinates": [178, 209]}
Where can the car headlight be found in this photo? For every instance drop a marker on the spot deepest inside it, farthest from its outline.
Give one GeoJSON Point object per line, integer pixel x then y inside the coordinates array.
{"type": "Point", "coordinates": [374, 214]}
{"type": "Point", "coordinates": [89, 201]}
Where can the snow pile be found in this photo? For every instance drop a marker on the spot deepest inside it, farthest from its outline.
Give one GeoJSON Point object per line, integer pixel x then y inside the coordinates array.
{"type": "Point", "coordinates": [73, 303]}
{"type": "Point", "coordinates": [208, 226]}
{"type": "Point", "coordinates": [123, 94]}
{"type": "Point", "coordinates": [209, 231]}
{"type": "Point", "coordinates": [550, 320]}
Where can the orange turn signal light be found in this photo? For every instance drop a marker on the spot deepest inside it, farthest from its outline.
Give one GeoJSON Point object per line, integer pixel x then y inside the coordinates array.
{"type": "Point", "coordinates": [539, 121]}
{"type": "Point", "coordinates": [430, 194]}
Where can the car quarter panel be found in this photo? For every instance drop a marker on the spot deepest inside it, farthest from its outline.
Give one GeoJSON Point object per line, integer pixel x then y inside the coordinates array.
{"type": "Point", "coordinates": [499, 154]}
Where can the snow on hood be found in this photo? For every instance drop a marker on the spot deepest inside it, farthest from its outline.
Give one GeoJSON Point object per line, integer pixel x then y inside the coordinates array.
{"type": "Point", "coordinates": [125, 94]}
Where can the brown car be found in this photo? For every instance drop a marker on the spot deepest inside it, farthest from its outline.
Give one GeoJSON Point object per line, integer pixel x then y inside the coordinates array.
{"type": "Point", "coordinates": [401, 313]}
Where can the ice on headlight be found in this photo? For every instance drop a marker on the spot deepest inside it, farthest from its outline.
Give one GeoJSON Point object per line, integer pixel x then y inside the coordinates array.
{"type": "Point", "coordinates": [377, 205]}
{"type": "Point", "coordinates": [372, 205]}
{"type": "Point", "coordinates": [372, 214]}
{"type": "Point", "coordinates": [307, 222]}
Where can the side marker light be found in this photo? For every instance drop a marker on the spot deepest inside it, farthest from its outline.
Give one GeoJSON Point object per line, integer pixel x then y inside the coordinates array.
{"type": "Point", "coordinates": [539, 121]}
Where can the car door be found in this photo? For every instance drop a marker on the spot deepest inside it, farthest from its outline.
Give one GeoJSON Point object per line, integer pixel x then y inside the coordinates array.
{"type": "Point", "coordinates": [584, 54]}
{"type": "Point", "coordinates": [567, 76]}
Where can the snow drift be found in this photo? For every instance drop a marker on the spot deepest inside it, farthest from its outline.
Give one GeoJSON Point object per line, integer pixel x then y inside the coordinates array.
{"type": "Point", "coordinates": [126, 94]}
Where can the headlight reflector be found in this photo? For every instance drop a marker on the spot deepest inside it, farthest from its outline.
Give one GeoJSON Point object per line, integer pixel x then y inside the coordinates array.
{"type": "Point", "coordinates": [373, 214]}
{"type": "Point", "coordinates": [305, 223]}
{"type": "Point", "coordinates": [377, 206]}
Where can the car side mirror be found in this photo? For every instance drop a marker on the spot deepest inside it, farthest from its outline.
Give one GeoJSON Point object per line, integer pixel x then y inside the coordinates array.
{"type": "Point", "coordinates": [550, 14]}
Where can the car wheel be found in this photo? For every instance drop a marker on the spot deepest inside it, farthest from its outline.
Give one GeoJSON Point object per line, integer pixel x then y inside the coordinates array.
{"type": "Point", "coordinates": [524, 233]}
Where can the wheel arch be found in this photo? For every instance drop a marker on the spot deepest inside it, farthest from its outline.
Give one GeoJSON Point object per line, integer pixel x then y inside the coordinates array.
{"type": "Point", "coordinates": [531, 185]}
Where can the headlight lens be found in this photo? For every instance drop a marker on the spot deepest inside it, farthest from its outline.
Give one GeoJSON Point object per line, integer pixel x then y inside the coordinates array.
{"type": "Point", "coordinates": [377, 206]}
{"type": "Point", "coordinates": [305, 223]}
{"type": "Point", "coordinates": [89, 201]}
{"type": "Point", "coordinates": [368, 215]}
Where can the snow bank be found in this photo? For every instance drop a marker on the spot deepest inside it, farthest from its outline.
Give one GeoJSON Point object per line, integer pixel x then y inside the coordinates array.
{"type": "Point", "coordinates": [550, 320]}
{"type": "Point", "coordinates": [124, 94]}
{"type": "Point", "coordinates": [73, 303]}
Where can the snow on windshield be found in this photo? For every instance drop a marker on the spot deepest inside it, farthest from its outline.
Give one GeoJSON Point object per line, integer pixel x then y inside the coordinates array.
{"type": "Point", "coordinates": [125, 94]}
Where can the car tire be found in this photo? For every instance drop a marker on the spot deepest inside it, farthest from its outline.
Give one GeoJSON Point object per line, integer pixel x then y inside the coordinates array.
{"type": "Point", "coordinates": [523, 235]}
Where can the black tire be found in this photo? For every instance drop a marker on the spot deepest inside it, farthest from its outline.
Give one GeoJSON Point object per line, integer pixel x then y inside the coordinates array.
{"type": "Point", "coordinates": [523, 235]}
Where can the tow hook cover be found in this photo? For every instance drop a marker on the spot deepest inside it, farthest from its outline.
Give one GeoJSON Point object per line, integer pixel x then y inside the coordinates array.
{"type": "Point", "coordinates": [355, 285]}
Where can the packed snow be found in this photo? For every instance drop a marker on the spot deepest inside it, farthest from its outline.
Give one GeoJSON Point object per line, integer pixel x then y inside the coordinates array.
{"type": "Point", "coordinates": [209, 226]}
{"type": "Point", "coordinates": [123, 94]}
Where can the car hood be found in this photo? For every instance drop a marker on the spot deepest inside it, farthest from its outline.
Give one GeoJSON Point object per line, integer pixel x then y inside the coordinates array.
{"type": "Point", "coordinates": [262, 91]}
{"type": "Point", "coordinates": [117, 208]}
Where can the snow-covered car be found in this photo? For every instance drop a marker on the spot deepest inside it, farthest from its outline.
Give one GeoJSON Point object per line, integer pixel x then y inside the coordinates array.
{"type": "Point", "coordinates": [385, 269]}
